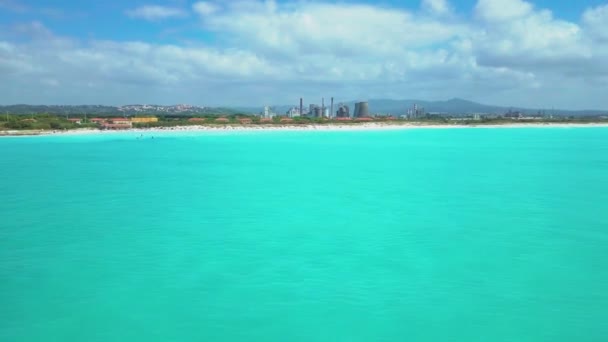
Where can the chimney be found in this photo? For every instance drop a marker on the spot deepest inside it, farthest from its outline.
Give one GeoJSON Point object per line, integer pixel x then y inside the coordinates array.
{"type": "Point", "coordinates": [322, 106]}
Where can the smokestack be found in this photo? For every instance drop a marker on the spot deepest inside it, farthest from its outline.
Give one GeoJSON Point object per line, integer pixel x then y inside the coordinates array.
{"type": "Point", "coordinates": [331, 111]}
{"type": "Point", "coordinates": [301, 107]}
{"type": "Point", "coordinates": [322, 106]}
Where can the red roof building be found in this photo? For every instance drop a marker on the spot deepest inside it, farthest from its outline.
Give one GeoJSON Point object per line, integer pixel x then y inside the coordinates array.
{"type": "Point", "coordinates": [120, 121]}
{"type": "Point", "coordinates": [222, 120]}
{"type": "Point", "coordinates": [196, 120]}
{"type": "Point", "coordinates": [366, 119]}
{"type": "Point", "coordinates": [245, 121]}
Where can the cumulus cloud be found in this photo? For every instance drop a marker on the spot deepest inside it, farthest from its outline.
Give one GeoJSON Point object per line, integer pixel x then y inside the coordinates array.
{"type": "Point", "coordinates": [204, 8]}
{"type": "Point", "coordinates": [502, 10]}
{"type": "Point", "coordinates": [531, 39]}
{"type": "Point", "coordinates": [596, 21]}
{"type": "Point", "coordinates": [440, 7]}
{"type": "Point", "coordinates": [509, 53]}
{"type": "Point", "coordinates": [155, 12]}
{"type": "Point", "coordinates": [324, 28]}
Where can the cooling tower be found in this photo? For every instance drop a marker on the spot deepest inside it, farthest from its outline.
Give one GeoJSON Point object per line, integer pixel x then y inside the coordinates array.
{"type": "Point", "coordinates": [361, 110]}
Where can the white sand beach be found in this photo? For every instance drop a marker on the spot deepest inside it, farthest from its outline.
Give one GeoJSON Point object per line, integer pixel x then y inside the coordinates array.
{"type": "Point", "coordinates": [330, 127]}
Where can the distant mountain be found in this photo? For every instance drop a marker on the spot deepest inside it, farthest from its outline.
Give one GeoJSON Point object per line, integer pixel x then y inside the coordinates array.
{"type": "Point", "coordinates": [111, 110]}
{"type": "Point", "coordinates": [28, 109]}
{"type": "Point", "coordinates": [458, 106]}
{"type": "Point", "coordinates": [377, 106]}
{"type": "Point", "coordinates": [453, 106]}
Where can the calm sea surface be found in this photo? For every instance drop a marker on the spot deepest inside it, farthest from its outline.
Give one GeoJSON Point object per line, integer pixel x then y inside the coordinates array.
{"type": "Point", "coordinates": [414, 235]}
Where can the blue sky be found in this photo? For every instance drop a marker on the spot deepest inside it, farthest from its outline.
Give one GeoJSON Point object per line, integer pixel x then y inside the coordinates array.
{"type": "Point", "coordinates": [252, 52]}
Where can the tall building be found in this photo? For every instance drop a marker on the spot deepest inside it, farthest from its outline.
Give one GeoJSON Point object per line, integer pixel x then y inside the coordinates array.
{"type": "Point", "coordinates": [361, 110]}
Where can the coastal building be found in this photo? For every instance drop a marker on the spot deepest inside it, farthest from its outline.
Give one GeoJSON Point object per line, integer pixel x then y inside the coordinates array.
{"type": "Point", "coordinates": [222, 120]}
{"type": "Point", "coordinates": [75, 121]}
{"type": "Point", "coordinates": [245, 121]}
{"type": "Point", "coordinates": [514, 115]}
{"type": "Point", "coordinates": [196, 120]}
{"type": "Point", "coordinates": [144, 119]}
{"type": "Point", "coordinates": [286, 120]}
{"type": "Point", "coordinates": [120, 121]}
{"type": "Point", "coordinates": [97, 120]}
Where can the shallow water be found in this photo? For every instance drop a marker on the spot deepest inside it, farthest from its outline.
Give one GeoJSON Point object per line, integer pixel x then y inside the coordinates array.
{"type": "Point", "coordinates": [421, 235]}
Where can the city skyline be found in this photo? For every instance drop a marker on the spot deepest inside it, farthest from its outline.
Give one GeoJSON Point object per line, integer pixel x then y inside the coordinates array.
{"type": "Point", "coordinates": [536, 54]}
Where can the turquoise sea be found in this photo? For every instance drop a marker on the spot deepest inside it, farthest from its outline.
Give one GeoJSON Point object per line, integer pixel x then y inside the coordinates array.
{"type": "Point", "coordinates": [411, 235]}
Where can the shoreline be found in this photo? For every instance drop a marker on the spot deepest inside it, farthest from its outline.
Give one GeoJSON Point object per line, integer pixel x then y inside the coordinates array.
{"type": "Point", "coordinates": [287, 127]}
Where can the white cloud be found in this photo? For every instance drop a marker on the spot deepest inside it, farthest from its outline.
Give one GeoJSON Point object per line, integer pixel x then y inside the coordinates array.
{"type": "Point", "coordinates": [154, 12]}
{"type": "Point", "coordinates": [510, 53]}
{"type": "Point", "coordinates": [502, 10]}
{"type": "Point", "coordinates": [596, 21]}
{"type": "Point", "coordinates": [205, 8]}
{"type": "Point", "coordinates": [323, 28]}
{"type": "Point", "coordinates": [532, 40]}
{"type": "Point", "coordinates": [439, 7]}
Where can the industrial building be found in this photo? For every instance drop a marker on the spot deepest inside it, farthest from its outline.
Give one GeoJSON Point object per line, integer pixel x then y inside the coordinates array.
{"type": "Point", "coordinates": [317, 112]}
{"type": "Point", "coordinates": [343, 111]}
{"type": "Point", "coordinates": [293, 112]}
{"type": "Point", "coordinates": [416, 112]}
{"type": "Point", "coordinates": [361, 110]}
{"type": "Point", "coordinates": [268, 113]}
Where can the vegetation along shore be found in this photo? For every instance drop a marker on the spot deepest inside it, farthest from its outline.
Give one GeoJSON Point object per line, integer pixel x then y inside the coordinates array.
{"type": "Point", "coordinates": [37, 124]}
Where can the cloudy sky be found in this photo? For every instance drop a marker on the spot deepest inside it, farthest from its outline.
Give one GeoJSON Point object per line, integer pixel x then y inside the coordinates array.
{"type": "Point", "coordinates": [536, 53]}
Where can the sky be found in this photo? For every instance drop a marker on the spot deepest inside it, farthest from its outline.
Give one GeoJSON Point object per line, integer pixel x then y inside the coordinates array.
{"type": "Point", "coordinates": [535, 53]}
